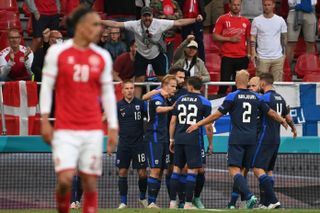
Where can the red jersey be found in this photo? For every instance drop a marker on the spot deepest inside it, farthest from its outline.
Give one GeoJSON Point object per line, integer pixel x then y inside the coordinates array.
{"type": "Point", "coordinates": [47, 7]}
{"type": "Point", "coordinates": [228, 25]}
{"type": "Point", "coordinates": [19, 69]}
{"type": "Point", "coordinates": [79, 75]}
{"type": "Point", "coordinates": [124, 66]}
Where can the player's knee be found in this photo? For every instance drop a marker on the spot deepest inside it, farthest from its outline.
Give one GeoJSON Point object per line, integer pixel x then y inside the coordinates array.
{"type": "Point", "coordinates": [142, 173]}
{"type": "Point", "coordinates": [258, 172]}
{"type": "Point", "coordinates": [123, 172]}
{"type": "Point", "coordinates": [201, 171]}
{"type": "Point", "coordinates": [64, 183]}
{"type": "Point", "coordinates": [156, 173]}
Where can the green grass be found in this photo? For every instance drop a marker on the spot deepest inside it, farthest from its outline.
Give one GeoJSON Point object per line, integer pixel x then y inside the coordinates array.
{"type": "Point", "coordinates": [167, 211]}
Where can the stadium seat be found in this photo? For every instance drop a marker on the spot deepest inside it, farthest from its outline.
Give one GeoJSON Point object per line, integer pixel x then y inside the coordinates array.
{"type": "Point", "coordinates": [98, 6]}
{"type": "Point", "coordinates": [9, 5]}
{"type": "Point", "coordinates": [3, 40]}
{"type": "Point", "coordinates": [213, 62]}
{"type": "Point", "coordinates": [312, 77]}
{"type": "Point", "coordinates": [307, 63]}
{"type": "Point", "coordinates": [209, 45]}
{"type": "Point", "coordinates": [26, 10]}
{"type": "Point", "coordinates": [177, 40]}
{"type": "Point", "coordinates": [29, 27]}
{"type": "Point", "coordinates": [284, 9]}
{"type": "Point", "coordinates": [287, 76]}
{"type": "Point", "coordinates": [68, 6]}
{"type": "Point", "coordinates": [9, 19]}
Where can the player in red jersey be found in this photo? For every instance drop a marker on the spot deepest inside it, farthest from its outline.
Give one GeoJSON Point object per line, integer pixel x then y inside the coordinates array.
{"type": "Point", "coordinates": [80, 72]}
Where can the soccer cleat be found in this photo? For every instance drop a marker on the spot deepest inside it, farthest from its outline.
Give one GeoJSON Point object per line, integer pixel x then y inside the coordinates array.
{"type": "Point", "coordinates": [143, 203]}
{"type": "Point", "coordinates": [153, 206]}
{"type": "Point", "coordinates": [188, 205]}
{"type": "Point", "coordinates": [75, 205]}
{"type": "Point", "coordinates": [261, 206]}
{"type": "Point", "coordinates": [181, 205]}
{"type": "Point", "coordinates": [197, 202]}
{"type": "Point", "coordinates": [242, 204]}
{"type": "Point", "coordinates": [251, 202]}
{"type": "Point", "coordinates": [122, 206]}
{"type": "Point", "coordinates": [274, 205]}
{"type": "Point", "coordinates": [173, 204]}
{"type": "Point", "coordinates": [230, 206]}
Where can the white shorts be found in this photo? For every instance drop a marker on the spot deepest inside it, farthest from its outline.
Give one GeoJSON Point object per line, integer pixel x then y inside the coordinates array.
{"type": "Point", "coordinates": [73, 149]}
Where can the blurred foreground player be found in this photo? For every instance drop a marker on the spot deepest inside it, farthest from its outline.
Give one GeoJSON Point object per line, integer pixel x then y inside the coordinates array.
{"type": "Point", "coordinates": [131, 147]}
{"type": "Point", "coordinates": [80, 72]}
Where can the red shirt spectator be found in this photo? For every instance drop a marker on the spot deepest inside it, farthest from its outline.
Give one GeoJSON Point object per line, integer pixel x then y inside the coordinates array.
{"type": "Point", "coordinates": [229, 25]}
{"type": "Point", "coordinates": [44, 7]}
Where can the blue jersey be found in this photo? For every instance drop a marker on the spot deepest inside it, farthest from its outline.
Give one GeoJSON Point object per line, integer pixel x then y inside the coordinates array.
{"type": "Point", "coordinates": [130, 117]}
{"type": "Point", "coordinates": [270, 128]}
{"type": "Point", "coordinates": [190, 109]}
{"type": "Point", "coordinates": [243, 106]}
{"type": "Point", "coordinates": [157, 126]}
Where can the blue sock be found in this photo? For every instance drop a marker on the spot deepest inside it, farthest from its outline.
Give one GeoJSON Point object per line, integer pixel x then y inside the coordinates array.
{"type": "Point", "coordinates": [234, 195]}
{"type": "Point", "coordinates": [74, 189]}
{"type": "Point", "coordinates": [182, 188]}
{"type": "Point", "coordinates": [243, 197]}
{"type": "Point", "coordinates": [123, 189]}
{"type": "Point", "coordinates": [266, 183]}
{"type": "Point", "coordinates": [153, 189]}
{"type": "Point", "coordinates": [201, 179]}
{"type": "Point", "coordinates": [241, 183]}
{"type": "Point", "coordinates": [143, 187]}
{"type": "Point", "coordinates": [168, 176]}
{"type": "Point", "coordinates": [190, 186]}
{"type": "Point", "coordinates": [174, 185]}
{"type": "Point", "coordinates": [272, 181]}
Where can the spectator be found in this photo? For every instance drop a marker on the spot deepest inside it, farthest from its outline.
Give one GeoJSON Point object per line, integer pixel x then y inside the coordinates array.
{"type": "Point", "coordinates": [115, 46]}
{"type": "Point", "coordinates": [167, 9]}
{"type": "Point", "coordinates": [186, 57]}
{"type": "Point", "coordinates": [251, 8]}
{"type": "Point", "coordinates": [269, 34]}
{"type": "Point", "coordinates": [123, 67]}
{"type": "Point", "coordinates": [301, 17]}
{"type": "Point", "coordinates": [45, 14]}
{"type": "Point", "coordinates": [214, 9]}
{"type": "Point", "coordinates": [49, 38]}
{"type": "Point", "coordinates": [233, 31]}
{"type": "Point", "coordinates": [191, 9]}
{"type": "Point", "coordinates": [150, 45]}
{"type": "Point", "coordinates": [15, 60]}
{"type": "Point", "coordinates": [105, 37]}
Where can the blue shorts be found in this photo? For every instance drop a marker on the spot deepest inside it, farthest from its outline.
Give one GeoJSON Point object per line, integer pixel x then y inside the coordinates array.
{"type": "Point", "coordinates": [135, 153]}
{"type": "Point", "coordinates": [188, 154]}
{"type": "Point", "coordinates": [265, 156]}
{"type": "Point", "coordinates": [158, 155]}
{"type": "Point", "coordinates": [240, 155]}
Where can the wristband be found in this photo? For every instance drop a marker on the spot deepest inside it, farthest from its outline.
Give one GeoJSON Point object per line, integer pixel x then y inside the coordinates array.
{"type": "Point", "coordinates": [171, 140]}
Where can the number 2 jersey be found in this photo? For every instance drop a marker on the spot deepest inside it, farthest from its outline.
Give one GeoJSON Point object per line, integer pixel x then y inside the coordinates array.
{"type": "Point", "coordinates": [244, 107]}
{"type": "Point", "coordinates": [190, 109]}
{"type": "Point", "coordinates": [78, 76]}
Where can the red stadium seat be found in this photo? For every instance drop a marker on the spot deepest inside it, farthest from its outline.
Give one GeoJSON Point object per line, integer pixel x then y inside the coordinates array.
{"type": "Point", "coordinates": [9, 5]}
{"type": "Point", "coordinates": [98, 6]}
{"type": "Point", "coordinates": [68, 6]}
{"type": "Point", "coordinates": [9, 19]}
{"type": "Point", "coordinates": [177, 40]}
{"type": "Point", "coordinates": [209, 45]}
{"type": "Point", "coordinates": [287, 76]}
{"type": "Point", "coordinates": [307, 63]}
{"type": "Point", "coordinates": [3, 40]}
{"type": "Point", "coordinates": [312, 77]}
{"type": "Point", "coordinates": [26, 10]}
{"type": "Point", "coordinates": [251, 69]}
{"type": "Point", "coordinates": [284, 9]}
{"type": "Point", "coordinates": [213, 63]}
{"type": "Point", "coordinates": [29, 26]}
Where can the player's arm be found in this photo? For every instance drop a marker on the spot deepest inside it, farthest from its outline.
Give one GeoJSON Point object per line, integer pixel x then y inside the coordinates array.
{"type": "Point", "coordinates": [110, 23]}
{"type": "Point", "coordinates": [209, 132]}
{"type": "Point", "coordinates": [187, 21]}
{"type": "Point", "coordinates": [172, 129]}
{"type": "Point", "coordinates": [164, 109]}
{"type": "Point", "coordinates": [148, 95]}
{"type": "Point", "coordinates": [272, 114]}
{"type": "Point", "coordinates": [207, 120]}
{"type": "Point", "coordinates": [291, 124]}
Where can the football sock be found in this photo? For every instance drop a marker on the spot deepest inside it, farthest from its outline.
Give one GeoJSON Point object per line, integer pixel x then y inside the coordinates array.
{"type": "Point", "coordinates": [243, 198]}
{"type": "Point", "coordinates": [182, 188]}
{"type": "Point", "coordinates": [143, 187]}
{"type": "Point", "coordinates": [90, 203]}
{"type": "Point", "coordinates": [123, 189]}
{"type": "Point", "coordinates": [174, 185]}
{"type": "Point", "coordinates": [266, 183]}
{"type": "Point", "coordinates": [79, 189]}
{"type": "Point", "coordinates": [262, 195]}
{"type": "Point", "coordinates": [234, 195]}
{"type": "Point", "coordinates": [74, 190]}
{"type": "Point", "coordinates": [168, 183]}
{"type": "Point", "coordinates": [199, 184]}
{"type": "Point", "coordinates": [153, 189]}
{"type": "Point", "coordinates": [190, 186]}
{"type": "Point", "coordinates": [63, 202]}
{"type": "Point", "coordinates": [241, 183]}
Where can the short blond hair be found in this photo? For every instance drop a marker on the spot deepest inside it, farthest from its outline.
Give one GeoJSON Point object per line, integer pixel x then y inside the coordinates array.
{"type": "Point", "coordinates": [166, 79]}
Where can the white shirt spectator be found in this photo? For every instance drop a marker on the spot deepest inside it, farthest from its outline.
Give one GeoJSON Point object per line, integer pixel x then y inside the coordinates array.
{"type": "Point", "coordinates": [268, 32]}
{"type": "Point", "coordinates": [156, 29]}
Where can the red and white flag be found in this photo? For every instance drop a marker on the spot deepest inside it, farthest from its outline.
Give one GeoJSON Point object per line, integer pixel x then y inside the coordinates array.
{"type": "Point", "coordinates": [21, 109]}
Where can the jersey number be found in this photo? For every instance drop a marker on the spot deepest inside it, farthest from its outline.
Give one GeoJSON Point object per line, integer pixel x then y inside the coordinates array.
{"type": "Point", "coordinates": [188, 117]}
{"type": "Point", "coordinates": [246, 116]}
{"type": "Point", "coordinates": [141, 158]}
{"type": "Point", "coordinates": [81, 72]}
{"type": "Point", "coordinates": [279, 108]}
{"type": "Point", "coordinates": [137, 116]}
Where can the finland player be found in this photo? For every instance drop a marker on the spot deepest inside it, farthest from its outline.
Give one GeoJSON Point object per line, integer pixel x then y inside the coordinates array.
{"type": "Point", "coordinates": [131, 147]}
{"type": "Point", "coordinates": [269, 140]}
{"type": "Point", "coordinates": [156, 136]}
{"type": "Point", "coordinates": [187, 148]}
{"type": "Point", "coordinates": [243, 106]}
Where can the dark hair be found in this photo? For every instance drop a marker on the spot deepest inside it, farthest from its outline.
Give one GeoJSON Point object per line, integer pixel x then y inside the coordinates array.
{"type": "Point", "coordinates": [267, 77]}
{"type": "Point", "coordinates": [132, 42]}
{"type": "Point", "coordinates": [174, 70]}
{"type": "Point", "coordinates": [77, 14]}
{"type": "Point", "coordinates": [195, 82]}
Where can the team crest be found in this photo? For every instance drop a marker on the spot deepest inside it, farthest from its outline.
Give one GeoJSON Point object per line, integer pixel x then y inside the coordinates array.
{"type": "Point", "coordinates": [21, 59]}
{"type": "Point", "coordinates": [158, 103]}
{"type": "Point", "coordinates": [137, 107]}
{"type": "Point", "coordinates": [70, 60]}
{"type": "Point", "coordinates": [122, 112]}
{"type": "Point", "coordinates": [244, 25]}
{"type": "Point", "coordinates": [156, 162]}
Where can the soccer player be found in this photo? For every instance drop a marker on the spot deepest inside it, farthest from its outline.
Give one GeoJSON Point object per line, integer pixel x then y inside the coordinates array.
{"type": "Point", "coordinates": [188, 149]}
{"type": "Point", "coordinates": [269, 140]}
{"type": "Point", "coordinates": [131, 147]}
{"type": "Point", "coordinates": [243, 106]}
{"type": "Point", "coordinates": [80, 72]}
{"type": "Point", "coordinates": [156, 136]}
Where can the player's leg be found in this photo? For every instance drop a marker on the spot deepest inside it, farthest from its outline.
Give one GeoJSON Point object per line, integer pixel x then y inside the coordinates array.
{"type": "Point", "coordinates": [182, 187]}
{"type": "Point", "coordinates": [168, 173]}
{"type": "Point", "coordinates": [142, 173]}
{"type": "Point", "coordinates": [236, 156]}
{"type": "Point", "coordinates": [90, 167]}
{"type": "Point", "coordinates": [201, 179]}
{"type": "Point", "coordinates": [76, 193]}
{"type": "Point", "coordinates": [63, 190]}
{"type": "Point", "coordinates": [123, 160]}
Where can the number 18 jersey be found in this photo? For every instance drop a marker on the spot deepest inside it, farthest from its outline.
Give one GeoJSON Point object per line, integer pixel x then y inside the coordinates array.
{"type": "Point", "coordinates": [190, 109]}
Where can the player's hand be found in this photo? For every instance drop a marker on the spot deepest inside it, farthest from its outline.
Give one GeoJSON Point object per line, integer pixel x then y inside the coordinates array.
{"type": "Point", "coordinates": [112, 140]}
{"type": "Point", "coordinates": [190, 38]}
{"type": "Point", "coordinates": [210, 149]}
{"type": "Point", "coordinates": [27, 53]}
{"type": "Point", "coordinates": [171, 147]}
{"type": "Point", "coordinates": [235, 39]}
{"type": "Point", "coordinates": [199, 18]}
{"type": "Point", "coordinates": [11, 55]}
{"type": "Point", "coordinates": [46, 131]}
{"type": "Point", "coordinates": [192, 128]}
{"type": "Point", "coordinates": [46, 35]}
{"type": "Point", "coordinates": [253, 59]}
{"type": "Point", "coordinates": [294, 132]}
